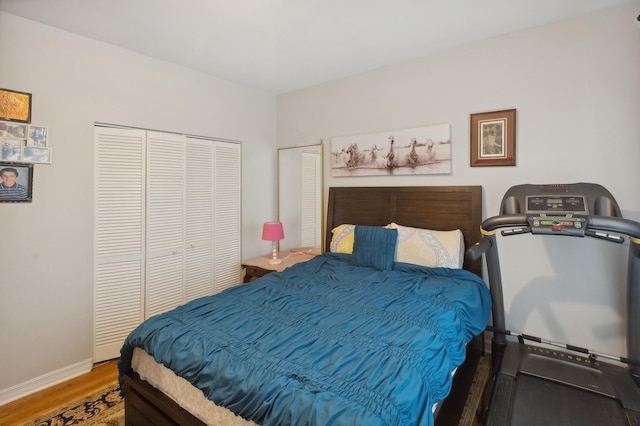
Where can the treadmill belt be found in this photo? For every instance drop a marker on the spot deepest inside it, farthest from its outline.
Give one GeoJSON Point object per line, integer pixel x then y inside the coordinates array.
{"type": "Point", "coordinates": [542, 402]}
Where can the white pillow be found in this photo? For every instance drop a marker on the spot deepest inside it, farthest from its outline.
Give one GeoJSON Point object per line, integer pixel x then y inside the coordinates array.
{"type": "Point", "coordinates": [429, 248]}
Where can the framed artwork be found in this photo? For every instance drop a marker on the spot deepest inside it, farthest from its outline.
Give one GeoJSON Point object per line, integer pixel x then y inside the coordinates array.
{"type": "Point", "coordinates": [16, 182]}
{"type": "Point", "coordinates": [32, 154]}
{"type": "Point", "coordinates": [493, 138]}
{"type": "Point", "coordinates": [13, 130]}
{"type": "Point", "coordinates": [15, 106]}
{"type": "Point", "coordinates": [416, 151]}
{"type": "Point", "coordinates": [38, 136]}
{"type": "Point", "coordinates": [11, 149]}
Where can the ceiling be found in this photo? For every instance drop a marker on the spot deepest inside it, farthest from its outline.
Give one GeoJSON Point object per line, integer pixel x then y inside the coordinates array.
{"type": "Point", "coordinates": [284, 45]}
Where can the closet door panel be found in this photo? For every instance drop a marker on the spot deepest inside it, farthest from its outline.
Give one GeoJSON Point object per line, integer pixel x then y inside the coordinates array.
{"type": "Point", "coordinates": [311, 198]}
{"type": "Point", "coordinates": [165, 221]}
{"type": "Point", "coordinates": [164, 283]}
{"type": "Point", "coordinates": [198, 272]}
{"type": "Point", "coordinates": [118, 293]}
{"type": "Point", "coordinates": [227, 215]}
{"type": "Point", "coordinates": [199, 219]}
{"type": "Point", "coordinates": [119, 241]}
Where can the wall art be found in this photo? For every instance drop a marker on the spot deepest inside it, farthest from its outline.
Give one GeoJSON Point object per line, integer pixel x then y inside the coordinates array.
{"type": "Point", "coordinates": [15, 106]}
{"type": "Point", "coordinates": [416, 151]}
{"type": "Point", "coordinates": [16, 182]}
{"type": "Point", "coordinates": [11, 149]}
{"type": "Point", "coordinates": [493, 138]}
{"type": "Point", "coordinates": [38, 136]}
{"type": "Point", "coordinates": [13, 130]}
{"type": "Point", "coordinates": [32, 154]}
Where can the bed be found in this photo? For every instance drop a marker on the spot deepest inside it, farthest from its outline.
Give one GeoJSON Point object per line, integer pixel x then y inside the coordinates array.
{"type": "Point", "coordinates": [359, 339]}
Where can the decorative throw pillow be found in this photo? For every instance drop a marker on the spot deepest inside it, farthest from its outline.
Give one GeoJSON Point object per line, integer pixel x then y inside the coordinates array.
{"type": "Point", "coordinates": [374, 246]}
{"type": "Point", "coordinates": [342, 239]}
{"type": "Point", "coordinates": [429, 248]}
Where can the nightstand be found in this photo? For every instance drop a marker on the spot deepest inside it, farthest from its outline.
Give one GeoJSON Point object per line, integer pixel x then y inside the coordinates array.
{"type": "Point", "coordinates": [260, 266]}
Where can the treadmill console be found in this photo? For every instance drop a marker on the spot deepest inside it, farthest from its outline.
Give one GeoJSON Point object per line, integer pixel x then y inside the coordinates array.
{"type": "Point", "coordinates": [574, 209]}
{"type": "Point", "coordinates": [557, 214]}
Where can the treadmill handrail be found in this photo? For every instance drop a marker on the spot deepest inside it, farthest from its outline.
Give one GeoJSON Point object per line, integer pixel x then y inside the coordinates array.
{"type": "Point", "coordinates": [615, 224]}
{"type": "Point", "coordinates": [474, 252]}
{"type": "Point", "coordinates": [504, 221]}
{"type": "Point", "coordinates": [595, 223]}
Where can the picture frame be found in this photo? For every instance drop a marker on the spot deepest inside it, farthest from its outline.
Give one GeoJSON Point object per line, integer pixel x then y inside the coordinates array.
{"type": "Point", "coordinates": [11, 149]}
{"type": "Point", "coordinates": [33, 154]}
{"type": "Point", "coordinates": [15, 106]}
{"type": "Point", "coordinates": [493, 138]}
{"type": "Point", "coordinates": [415, 151]}
{"type": "Point", "coordinates": [38, 136]}
{"type": "Point", "coordinates": [16, 182]}
{"type": "Point", "coordinates": [13, 130]}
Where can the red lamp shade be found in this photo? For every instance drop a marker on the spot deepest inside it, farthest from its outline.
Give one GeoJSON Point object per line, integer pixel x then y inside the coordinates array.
{"type": "Point", "coordinates": [272, 231]}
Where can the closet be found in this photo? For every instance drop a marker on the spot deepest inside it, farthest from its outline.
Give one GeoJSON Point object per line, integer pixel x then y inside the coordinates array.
{"type": "Point", "coordinates": [167, 226]}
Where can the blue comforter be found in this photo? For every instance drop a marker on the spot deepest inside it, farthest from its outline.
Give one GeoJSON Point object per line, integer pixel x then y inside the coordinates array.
{"type": "Point", "coordinates": [324, 342]}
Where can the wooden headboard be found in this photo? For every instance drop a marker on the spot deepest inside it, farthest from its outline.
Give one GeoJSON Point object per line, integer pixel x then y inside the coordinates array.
{"type": "Point", "coordinates": [440, 208]}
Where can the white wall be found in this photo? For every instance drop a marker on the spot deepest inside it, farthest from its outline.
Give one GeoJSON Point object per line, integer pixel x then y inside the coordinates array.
{"type": "Point", "coordinates": [46, 247]}
{"type": "Point", "coordinates": [576, 87]}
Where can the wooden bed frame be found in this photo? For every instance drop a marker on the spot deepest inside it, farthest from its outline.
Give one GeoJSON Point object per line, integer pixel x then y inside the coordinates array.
{"type": "Point", "coordinates": [431, 207]}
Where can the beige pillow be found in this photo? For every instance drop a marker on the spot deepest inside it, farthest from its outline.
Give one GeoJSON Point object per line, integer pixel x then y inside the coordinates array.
{"type": "Point", "coordinates": [429, 248]}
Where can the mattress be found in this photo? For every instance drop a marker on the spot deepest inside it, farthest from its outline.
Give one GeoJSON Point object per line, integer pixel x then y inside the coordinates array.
{"type": "Point", "coordinates": [189, 397]}
{"type": "Point", "coordinates": [182, 392]}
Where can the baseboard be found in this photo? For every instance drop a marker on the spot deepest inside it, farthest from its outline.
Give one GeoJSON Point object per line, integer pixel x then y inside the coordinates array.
{"type": "Point", "coordinates": [46, 380]}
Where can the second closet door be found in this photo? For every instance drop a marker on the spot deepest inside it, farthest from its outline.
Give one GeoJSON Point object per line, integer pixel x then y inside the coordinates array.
{"type": "Point", "coordinates": [199, 218]}
{"type": "Point", "coordinates": [166, 163]}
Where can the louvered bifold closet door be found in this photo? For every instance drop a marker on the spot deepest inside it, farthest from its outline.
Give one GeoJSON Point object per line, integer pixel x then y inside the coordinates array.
{"type": "Point", "coordinates": [165, 222]}
{"type": "Point", "coordinates": [311, 201]}
{"type": "Point", "coordinates": [227, 215]}
{"type": "Point", "coordinates": [119, 217]}
{"type": "Point", "coordinates": [199, 219]}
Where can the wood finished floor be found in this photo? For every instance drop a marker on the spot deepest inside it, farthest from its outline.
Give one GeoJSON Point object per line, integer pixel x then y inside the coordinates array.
{"type": "Point", "coordinates": [36, 404]}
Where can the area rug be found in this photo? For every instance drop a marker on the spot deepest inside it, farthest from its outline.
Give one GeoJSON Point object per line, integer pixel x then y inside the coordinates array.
{"type": "Point", "coordinates": [104, 407]}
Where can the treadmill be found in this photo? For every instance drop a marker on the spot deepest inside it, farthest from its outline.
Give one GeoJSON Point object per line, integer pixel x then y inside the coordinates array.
{"type": "Point", "coordinates": [538, 385]}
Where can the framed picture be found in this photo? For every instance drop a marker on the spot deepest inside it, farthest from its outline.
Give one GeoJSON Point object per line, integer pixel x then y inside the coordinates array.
{"type": "Point", "coordinates": [16, 182]}
{"type": "Point", "coordinates": [415, 151]}
{"type": "Point", "coordinates": [493, 138]}
{"type": "Point", "coordinates": [11, 149]}
{"type": "Point", "coordinates": [15, 106]}
{"type": "Point", "coordinates": [13, 130]}
{"type": "Point", "coordinates": [32, 154]}
{"type": "Point", "coordinates": [38, 136]}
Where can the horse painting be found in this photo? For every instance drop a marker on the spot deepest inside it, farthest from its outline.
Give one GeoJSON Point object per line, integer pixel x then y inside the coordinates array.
{"type": "Point", "coordinates": [425, 150]}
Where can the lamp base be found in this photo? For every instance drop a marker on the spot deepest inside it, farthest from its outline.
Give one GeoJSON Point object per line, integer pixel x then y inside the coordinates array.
{"type": "Point", "coordinates": [274, 254]}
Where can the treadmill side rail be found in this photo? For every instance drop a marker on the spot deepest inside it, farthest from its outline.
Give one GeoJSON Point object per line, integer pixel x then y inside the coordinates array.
{"type": "Point", "coordinates": [633, 306]}
{"type": "Point", "coordinates": [501, 401]}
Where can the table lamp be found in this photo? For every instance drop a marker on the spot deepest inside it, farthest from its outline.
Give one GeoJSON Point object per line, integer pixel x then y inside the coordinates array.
{"type": "Point", "coordinates": [272, 231]}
